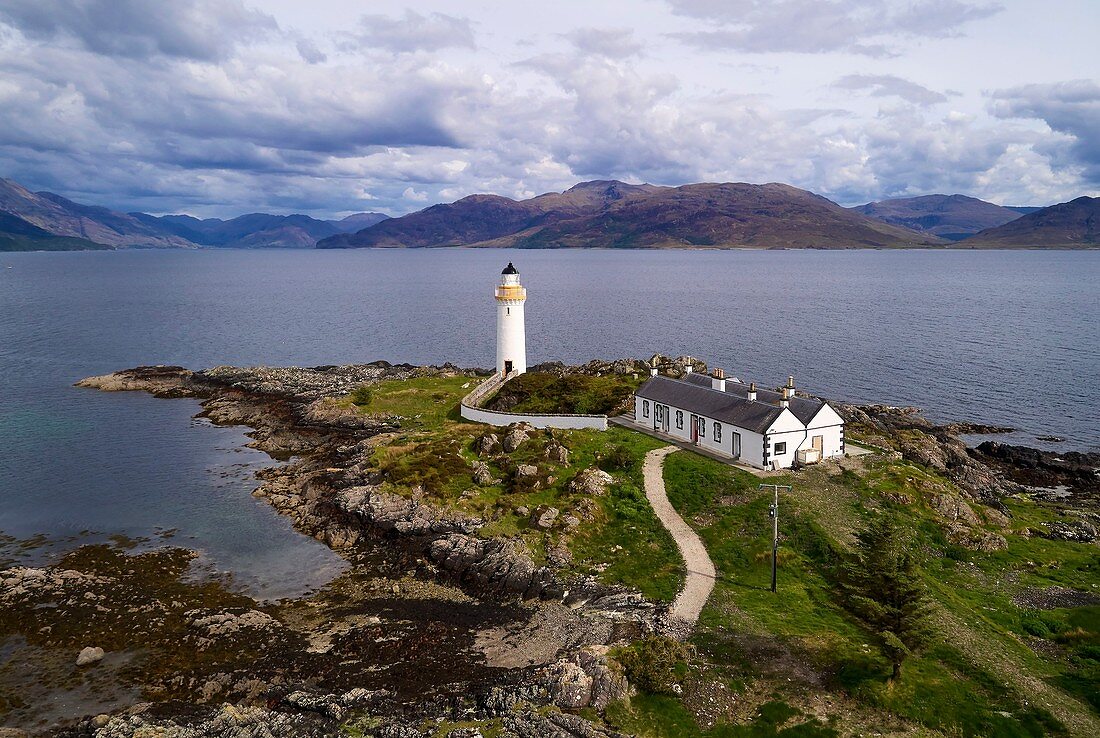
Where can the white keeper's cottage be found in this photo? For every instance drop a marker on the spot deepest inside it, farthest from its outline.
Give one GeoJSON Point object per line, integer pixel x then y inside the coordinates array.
{"type": "Point", "coordinates": [767, 430]}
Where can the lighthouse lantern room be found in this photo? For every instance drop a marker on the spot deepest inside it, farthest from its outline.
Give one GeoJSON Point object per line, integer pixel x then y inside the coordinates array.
{"type": "Point", "coordinates": [511, 338]}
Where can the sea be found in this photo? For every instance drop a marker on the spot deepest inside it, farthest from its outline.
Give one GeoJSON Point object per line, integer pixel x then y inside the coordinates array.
{"type": "Point", "coordinates": [999, 337]}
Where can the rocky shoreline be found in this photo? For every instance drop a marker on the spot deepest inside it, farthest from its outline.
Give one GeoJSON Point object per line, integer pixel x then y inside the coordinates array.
{"type": "Point", "coordinates": [518, 636]}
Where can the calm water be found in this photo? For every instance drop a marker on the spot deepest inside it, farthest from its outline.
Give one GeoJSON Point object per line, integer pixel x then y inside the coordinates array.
{"type": "Point", "coordinates": [1000, 337]}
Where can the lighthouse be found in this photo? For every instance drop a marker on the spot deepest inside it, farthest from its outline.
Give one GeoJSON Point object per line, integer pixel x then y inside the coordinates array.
{"type": "Point", "coordinates": [511, 338]}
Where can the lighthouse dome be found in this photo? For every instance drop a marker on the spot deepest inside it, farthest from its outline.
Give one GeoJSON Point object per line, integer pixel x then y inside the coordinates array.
{"type": "Point", "coordinates": [510, 269]}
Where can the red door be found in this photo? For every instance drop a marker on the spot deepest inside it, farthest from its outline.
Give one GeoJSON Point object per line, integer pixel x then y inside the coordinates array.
{"type": "Point", "coordinates": [695, 429]}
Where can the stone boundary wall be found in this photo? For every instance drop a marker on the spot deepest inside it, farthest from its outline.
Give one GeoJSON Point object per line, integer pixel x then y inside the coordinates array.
{"type": "Point", "coordinates": [470, 410]}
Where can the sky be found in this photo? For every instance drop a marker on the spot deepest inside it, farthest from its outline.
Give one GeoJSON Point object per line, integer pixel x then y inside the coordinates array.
{"type": "Point", "coordinates": [329, 107]}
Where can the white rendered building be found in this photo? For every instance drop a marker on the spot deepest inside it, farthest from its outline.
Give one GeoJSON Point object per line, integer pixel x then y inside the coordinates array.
{"type": "Point", "coordinates": [767, 430]}
{"type": "Point", "coordinates": [511, 338]}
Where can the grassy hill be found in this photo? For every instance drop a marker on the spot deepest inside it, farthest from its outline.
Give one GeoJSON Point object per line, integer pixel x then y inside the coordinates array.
{"type": "Point", "coordinates": [1017, 650]}
{"type": "Point", "coordinates": [996, 669]}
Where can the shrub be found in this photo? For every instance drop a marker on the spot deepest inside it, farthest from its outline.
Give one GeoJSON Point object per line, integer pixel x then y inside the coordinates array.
{"type": "Point", "coordinates": [655, 664]}
{"type": "Point", "coordinates": [362, 395]}
{"type": "Point", "coordinates": [618, 458]}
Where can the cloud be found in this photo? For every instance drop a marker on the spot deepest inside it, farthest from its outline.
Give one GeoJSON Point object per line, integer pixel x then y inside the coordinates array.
{"type": "Point", "coordinates": [204, 30]}
{"type": "Point", "coordinates": [615, 43]}
{"type": "Point", "coordinates": [885, 85]}
{"type": "Point", "coordinates": [867, 27]}
{"type": "Point", "coordinates": [1068, 108]}
{"type": "Point", "coordinates": [412, 32]}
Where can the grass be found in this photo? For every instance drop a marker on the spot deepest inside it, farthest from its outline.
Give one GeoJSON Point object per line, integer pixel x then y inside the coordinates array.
{"type": "Point", "coordinates": [621, 540]}
{"type": "Point", "coordinates": [982, 678]}
{"type": "Point", "coordinates": [948, 689]}
{"type": "Point", "coordinates": [659, 716]}
{"type": "Point", "coordinates": [537, 392]}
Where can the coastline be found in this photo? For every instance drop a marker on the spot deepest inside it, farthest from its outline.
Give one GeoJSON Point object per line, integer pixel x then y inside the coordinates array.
{"type": "Point", "coordinates": [531, 635]}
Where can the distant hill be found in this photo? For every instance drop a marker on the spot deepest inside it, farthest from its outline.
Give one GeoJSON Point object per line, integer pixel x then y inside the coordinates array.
{"type": "Point", "coordinates": [17, 234]}
{"type": "Point", "coordinates": [259, 230]}
{"type": "Point", "coordinates": [953, 217]}
{"type": "Point", "coordinates": [357, 221]}
{"type": "Point", "coordinates": [611, 214]}
{"type": "Point", "coordinates": [61, 217]}
{"type": "Point", "coordinates": [89, 224]}
{"type": "Point", "coordinates": [1023, 209]}
{"type": "Point", "coordinates": [1068, 225]}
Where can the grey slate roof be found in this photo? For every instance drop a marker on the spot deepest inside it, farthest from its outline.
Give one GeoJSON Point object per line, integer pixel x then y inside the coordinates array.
{"type": "Point", "coordinates": [725, 406]}
{"type": "Point", "coordinates": [803, 408]}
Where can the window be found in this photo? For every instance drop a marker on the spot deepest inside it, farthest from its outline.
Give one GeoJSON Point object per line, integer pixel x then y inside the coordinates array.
{"type": "Point", "coordinates": [645, 408]}
{"type": "Point", "coordinates": [780, 449]}
{"type": "Point", "coordinates": [717, 432]}
{"type": "Point", "coordinates": [679, 420]}
{"type": "Point", "coordinates": [702, 428]}
{"type": "Point", "coordinates": [509, 311]}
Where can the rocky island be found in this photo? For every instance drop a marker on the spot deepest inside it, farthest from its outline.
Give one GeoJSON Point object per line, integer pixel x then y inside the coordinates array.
{"type": "Point", "coordinates": [514, 582]}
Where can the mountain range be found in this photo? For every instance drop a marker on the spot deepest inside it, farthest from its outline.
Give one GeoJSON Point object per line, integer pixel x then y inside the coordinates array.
{"type": "Point", "coordinates": [597, 214]}
{"type": "Point", "coordinates": [86, 226]}
{"type": "Point", "coordinates": [610, 214]}
{"type": "Point", "coordinates": [954, 217]}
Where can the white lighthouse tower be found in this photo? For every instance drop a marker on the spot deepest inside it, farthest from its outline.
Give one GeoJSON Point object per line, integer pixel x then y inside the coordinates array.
{"type": "Point", "coordinates": [511, 337]}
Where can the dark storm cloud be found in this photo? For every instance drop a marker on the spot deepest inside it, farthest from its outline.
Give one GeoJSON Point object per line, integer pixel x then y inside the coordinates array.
{"type": "Point", "coordinates": [412, 32]}
{"type": "Point", "coordinates": [886, 85]}
{"type": "Point", "coordinates": [1070, 108]}
{"type": "Point", "coordinates": [205, 30]}
{"type": "Point", "coordinates": [818, 26]}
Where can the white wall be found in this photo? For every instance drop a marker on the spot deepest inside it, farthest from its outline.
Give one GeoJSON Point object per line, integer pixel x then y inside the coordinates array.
{"type": "Point", "coordinates": [830, 426]}
{"type": "Point", "coordinates": [752, 444]}
{"type": "Point", "coordinates": [491, 417]}
{"type": "Point", "coordinates": [470, 411]}
{"type": "Point", "coordinates": [511, 338]}
{"type": "Point", "coordinates": [786, 429]}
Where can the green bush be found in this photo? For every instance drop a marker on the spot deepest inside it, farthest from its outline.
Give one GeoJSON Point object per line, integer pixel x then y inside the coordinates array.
{"type": "Point", "coordinates": [362, 396]}
{"type": "Point", "coordinates": [619, 458]}
{"type": "Point", "coordinates": [655, 664]}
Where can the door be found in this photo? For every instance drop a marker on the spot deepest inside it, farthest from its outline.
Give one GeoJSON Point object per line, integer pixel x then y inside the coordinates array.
{"type": "Point", "coordinates": [736, 445]}
{"type": "Point", "coordinates": [664, 418]}
{"type": "Point", "coordinates": [819, 444]}
{"type": "Point", "coordinates": [695, 429]}
{"type": "Point", "coordinates": [507, 368]}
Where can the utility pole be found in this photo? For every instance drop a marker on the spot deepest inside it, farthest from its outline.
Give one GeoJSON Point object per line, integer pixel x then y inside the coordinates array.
{"type": "Point", "coordinates": [774, 512]}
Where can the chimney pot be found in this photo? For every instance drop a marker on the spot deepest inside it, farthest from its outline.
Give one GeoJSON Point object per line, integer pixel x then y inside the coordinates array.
{"type": "Point", "coordinates": [752, 391]}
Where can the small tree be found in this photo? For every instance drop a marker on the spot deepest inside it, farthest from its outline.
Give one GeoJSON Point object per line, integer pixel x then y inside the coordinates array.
{"type": "Point", "coordinates": [882, 586]}
{"type": "Point", "coordinates": [362, 395]}
{"type": "Point", "coordinates": [655, 664]}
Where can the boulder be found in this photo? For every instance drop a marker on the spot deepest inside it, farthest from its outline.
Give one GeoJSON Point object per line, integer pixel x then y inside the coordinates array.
{"type": "Point", "coordinates": [488, 444]}
{"type": "Point", "coordinates": [557, 452]}
{"type": "Point", "coordinates": [527, 470]}
{"type": "Point", "coordinates": [586, 680]}
{"type": "Point", "coordinates": [90, 655]}
{"type": "Point", "coordinates": [483, 476]}
{"type": "Point", "coordinates": [517, 434]}
{"type": "Point", "coordinates": [592, 482]}
{"type": "Point", "coordinates": [544, 517]}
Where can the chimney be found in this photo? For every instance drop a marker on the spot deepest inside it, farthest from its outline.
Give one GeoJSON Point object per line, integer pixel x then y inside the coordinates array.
{"type": "Point", "coordinates": [784, 401]}
{"type": "Point", "coordinates": [653, 371]}
{"type": "Point", "coordinates": [688, 369]}
{"type": "Point", "coordinates": [788, 391]}
{"type": "Point", "coordinates": [752, 391]}
{"type": "Point", "coordinates": [718, 380]}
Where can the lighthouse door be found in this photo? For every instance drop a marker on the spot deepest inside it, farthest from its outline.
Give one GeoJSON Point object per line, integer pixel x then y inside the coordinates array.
{"type": "Point", "coordinates": [507, 368]}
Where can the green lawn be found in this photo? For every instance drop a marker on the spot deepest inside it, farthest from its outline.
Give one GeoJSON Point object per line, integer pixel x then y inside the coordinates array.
{"type": "Point", "coordinates": [748, 635]}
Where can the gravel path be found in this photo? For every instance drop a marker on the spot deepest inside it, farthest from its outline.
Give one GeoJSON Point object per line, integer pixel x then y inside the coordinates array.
{"type": "Point", "coordinates": [700, 569]}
